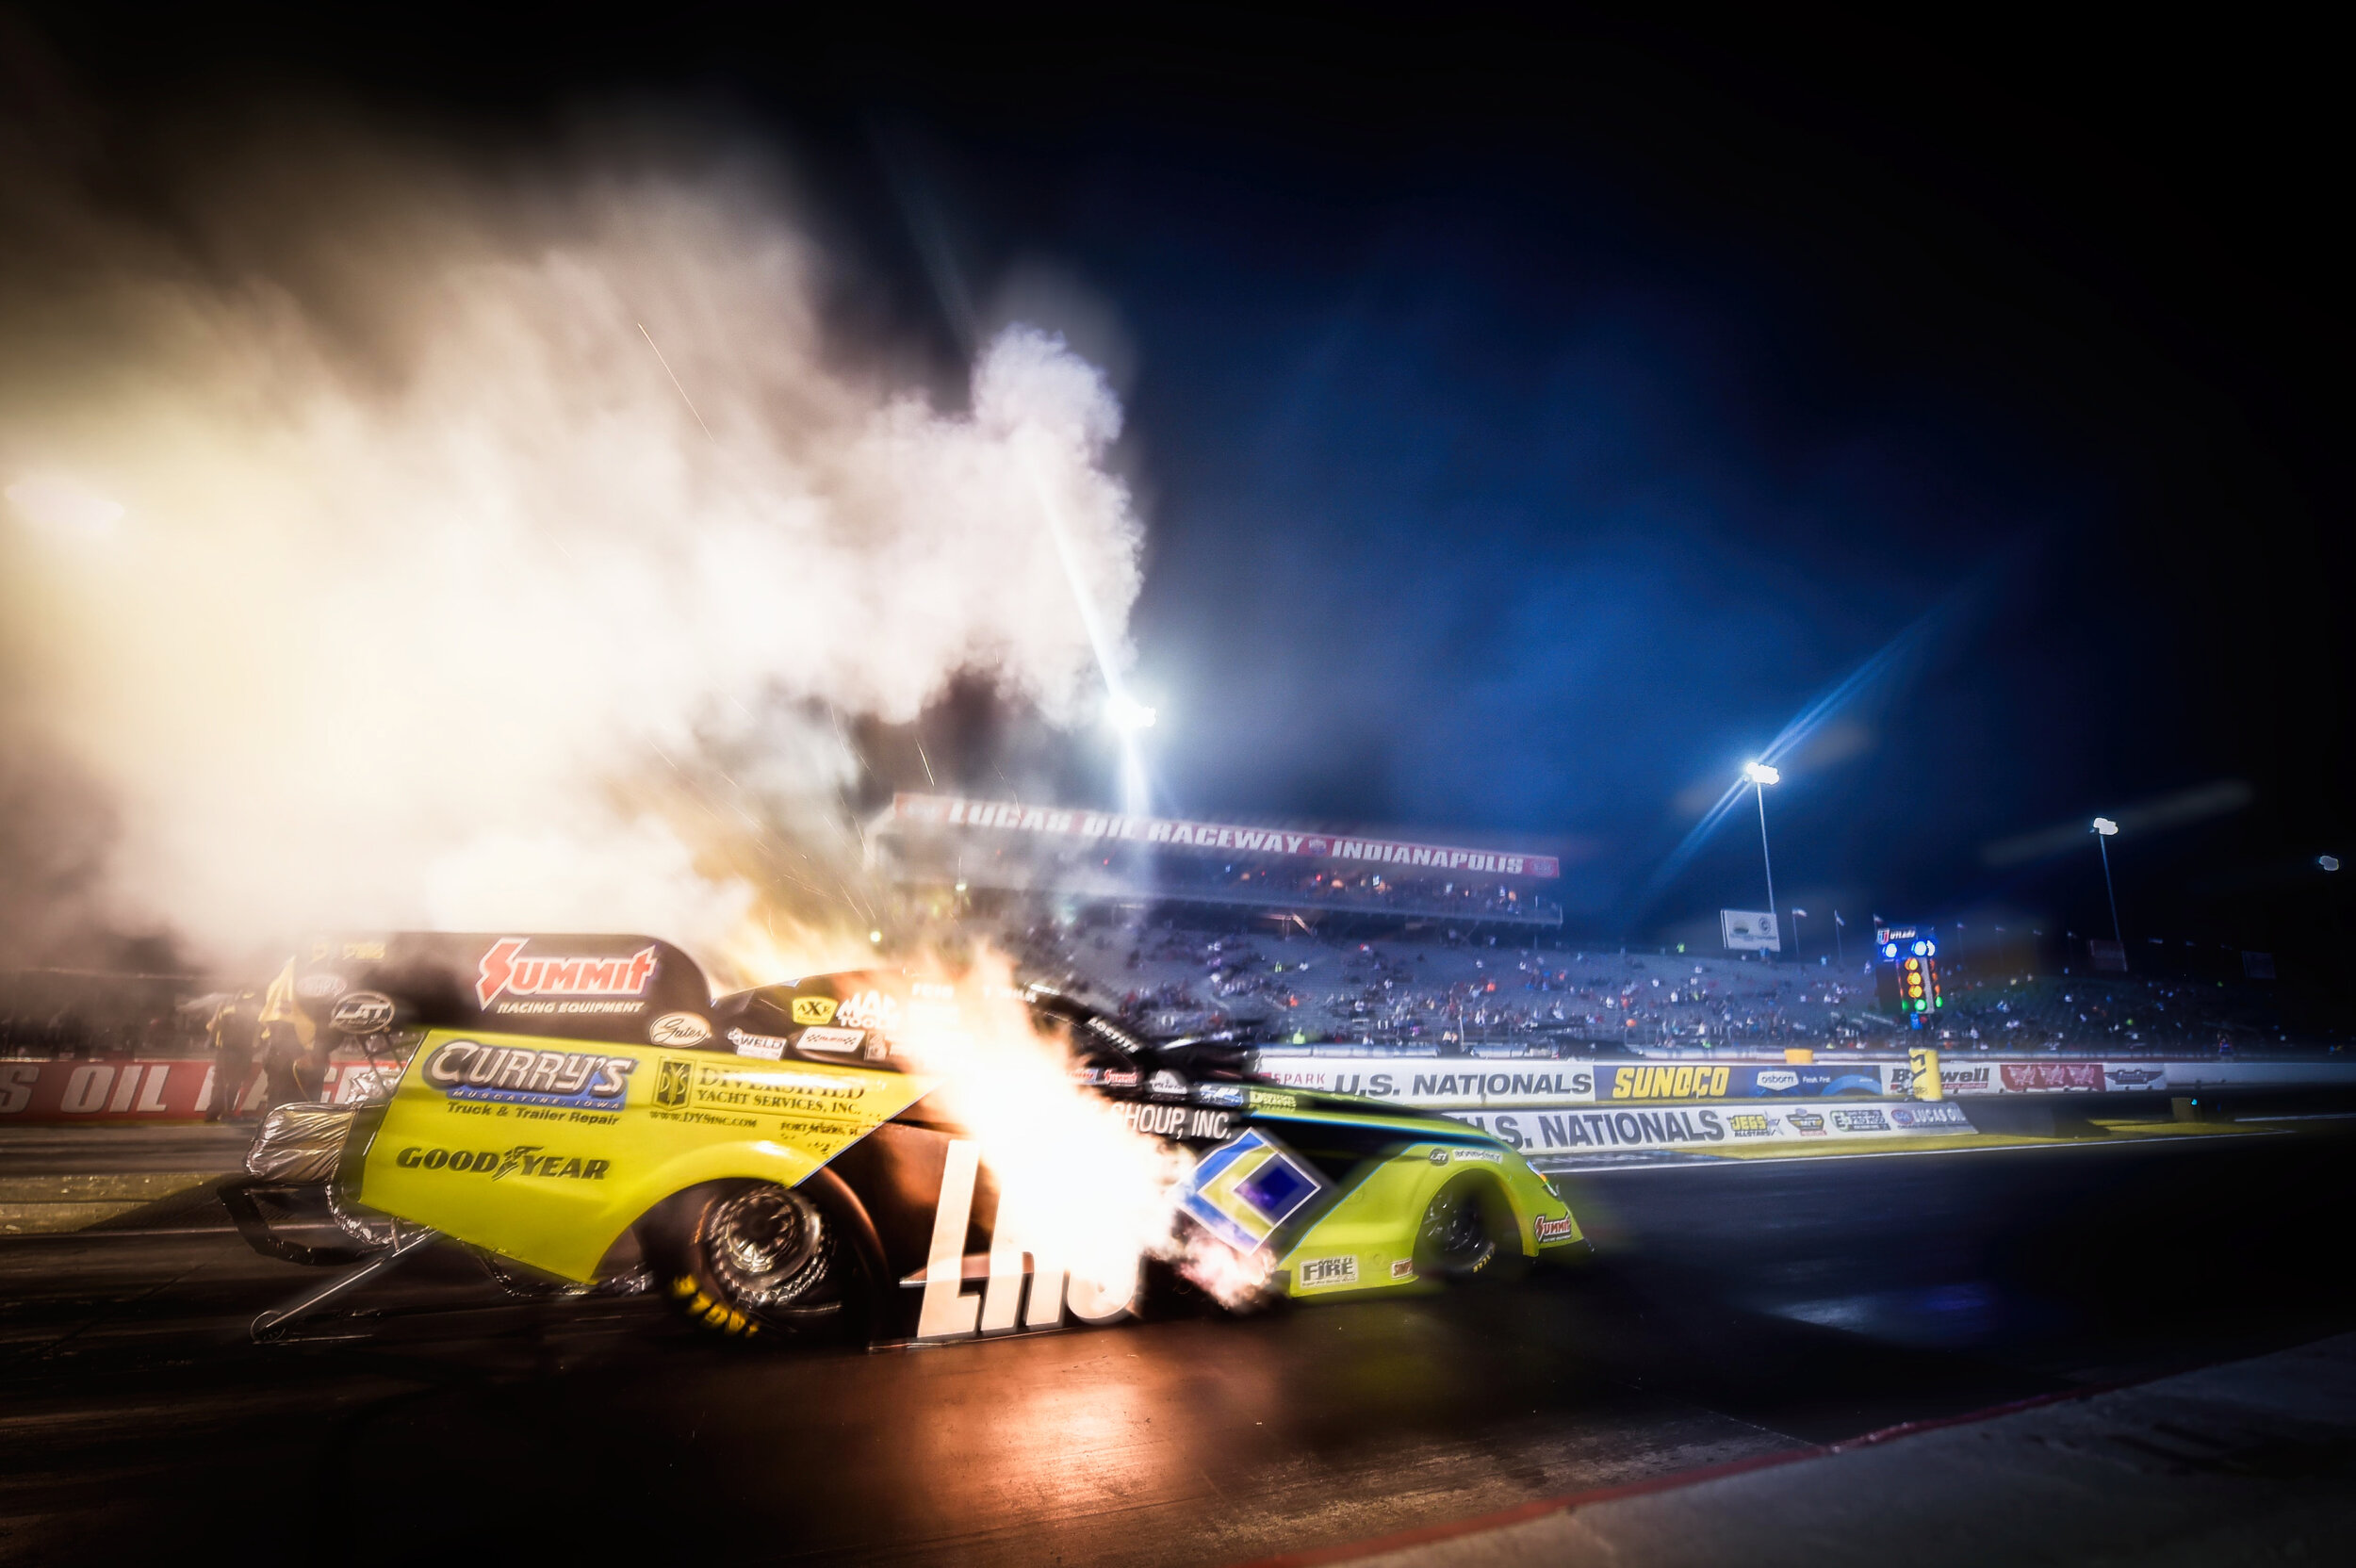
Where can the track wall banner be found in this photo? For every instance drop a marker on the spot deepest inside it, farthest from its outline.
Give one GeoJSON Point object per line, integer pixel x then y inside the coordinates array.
{"type": "Point", "coordinates": [1432, 1084]}
{"type": "Point", "coordinates": [178, 1089]}
{"type": "Point", "coordinates": [1716, 1127]}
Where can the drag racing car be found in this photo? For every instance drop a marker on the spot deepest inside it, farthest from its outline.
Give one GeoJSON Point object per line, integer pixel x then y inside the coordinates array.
{"type": "Point", "coordinates": [580, 1111]}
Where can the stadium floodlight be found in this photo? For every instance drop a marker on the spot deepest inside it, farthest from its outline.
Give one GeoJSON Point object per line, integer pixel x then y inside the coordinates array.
{"type": "Point", "coordinates": [2104, 830]}
{"type": "Point", "coordinates": [2328, 862]}
{"type": "Point", "coordinates": [1760, 775]}
{"type": "Point", "coordinates": [1127, 715]}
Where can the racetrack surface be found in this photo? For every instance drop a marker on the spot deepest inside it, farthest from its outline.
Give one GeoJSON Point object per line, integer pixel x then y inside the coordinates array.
{"type": "Point", "coordinates": [1736, 1311]}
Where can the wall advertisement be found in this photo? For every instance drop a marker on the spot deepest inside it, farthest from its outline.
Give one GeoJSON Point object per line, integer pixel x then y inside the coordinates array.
{"type": "Point", "coordinates": [1711, 1128]}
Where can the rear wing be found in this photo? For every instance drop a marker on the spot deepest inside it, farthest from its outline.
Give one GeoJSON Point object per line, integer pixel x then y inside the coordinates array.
{"type": "Point", "coordinates": [628, 989]}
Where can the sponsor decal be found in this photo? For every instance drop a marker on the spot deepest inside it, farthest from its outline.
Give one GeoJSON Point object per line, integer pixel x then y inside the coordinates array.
{"type": "Point", "coordinates": [1859, 1122]}
{"type": "Point", "coordinates": [1439, 1157]}
{"type": "Point", "coordinates": [1777, 1082]}
{"type": "Point", "coordinates": [1749, 1124]}
{"type": "Point", "coordinates": [1242, 1191]}
{"type": "Point", "coordinates": [367, 953]}
{"type": "Point", "coordinates": [1937, 1114]}
{"type": "Point", "coordinates": [1230, 1095]}
{"type": "Point", "coordinates": [1490, 1156]}
{"type": "Point", "coordinates": [1119, 1078]}
{"type": "Point", "coordinates": [506, 969]}
{"type": "Point", "coordinates": [363, 1013]}
{"type": "Point", "coordinates": [1808, 1123]}
{"type": "Point", "coordinates": [1266, 1100]}
{"type": "Point", "coordinates": [1684, 1081]}
{"type": "Point", "coordinates": [932, 990]}
{"type": "Point", "coordinates": [817, 1090]}
{"type": "Point", "coordinates": [672, 1083]}
{"type": "Point", "coordinates": [1174, 1121]}
{"type": "Point", "coordinates": [527, 1076]}
{"type": "Point", "coordinates": [319, 987]}
{"type": "Point", "coordinates": [1317, 1273]}
{"type": "Point", "coordinates": [831, 1039]}
{"type": "Point", "coordinates": [814, 1009]}
{"type": "Point", "coordinates": [527, 1159]}
{"type": "Point", "coordinates": [1403, 1268]}
{"type": "Point", "coordinates": [2031, 1076]}
{"type": "Point", "coordinates": [769, 1048]}
{"type": "Point", "coordinates": [2133, 1077]}
{"type": "Point", "coordinates": [1552, 1230]}
{"type": "Point", "coordinates": [678, 1029]}
{"type": "Point", "coordinates": [1038, 1298]}
{"type": "Point", "coordinates": [869, 1009]}
{"type": "Point", "coordinates": [1166, 1085]}
{"type": "Point", "coordinates": [1979, 1078]}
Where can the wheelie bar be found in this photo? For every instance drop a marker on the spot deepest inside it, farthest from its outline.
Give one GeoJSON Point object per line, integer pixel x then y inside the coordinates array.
{"type": "Point", "coordinates": [273, 1325]}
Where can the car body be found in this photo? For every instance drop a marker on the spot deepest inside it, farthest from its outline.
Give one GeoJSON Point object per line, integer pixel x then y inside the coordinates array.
{"type": "Point", "coordinates": [580, 1105]}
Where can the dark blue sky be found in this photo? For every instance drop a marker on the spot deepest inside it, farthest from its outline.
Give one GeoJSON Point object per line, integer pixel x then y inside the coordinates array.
{"type": "Point", "coordinates": [1533, 421]}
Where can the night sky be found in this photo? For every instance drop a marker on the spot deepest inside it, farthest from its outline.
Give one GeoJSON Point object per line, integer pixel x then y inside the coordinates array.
{"type": "Point", "coordinates": [1533, 422]}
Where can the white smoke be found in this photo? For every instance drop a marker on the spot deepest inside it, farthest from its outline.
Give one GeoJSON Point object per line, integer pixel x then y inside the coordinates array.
{"type": "Point", "coordinates": [424, 595]}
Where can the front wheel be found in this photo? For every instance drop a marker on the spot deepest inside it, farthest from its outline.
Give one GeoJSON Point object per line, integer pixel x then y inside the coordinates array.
{"type": "Point", "coordinates": [754, 1257]}
{"type": "Point", "coordinates": [1468, 1232]}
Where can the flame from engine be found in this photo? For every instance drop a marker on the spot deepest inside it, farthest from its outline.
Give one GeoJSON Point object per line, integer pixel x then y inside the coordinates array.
{"type": "Point", "coordinates": [1084, 1191]}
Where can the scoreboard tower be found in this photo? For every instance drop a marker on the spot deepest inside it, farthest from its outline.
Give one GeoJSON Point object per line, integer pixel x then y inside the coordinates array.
{"type": "Point", "coordinates": [1908, 971]}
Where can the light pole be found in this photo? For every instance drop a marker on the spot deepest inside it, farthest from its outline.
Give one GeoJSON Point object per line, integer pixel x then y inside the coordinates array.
{"type": "Point", "coordinates": [1760, 775]}
{"type": "Point", "coordinates": [2103, 828]}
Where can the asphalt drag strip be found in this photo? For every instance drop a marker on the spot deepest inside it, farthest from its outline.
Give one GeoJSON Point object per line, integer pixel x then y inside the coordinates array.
{"type": "Point", "coordinates": [1736, 1311]}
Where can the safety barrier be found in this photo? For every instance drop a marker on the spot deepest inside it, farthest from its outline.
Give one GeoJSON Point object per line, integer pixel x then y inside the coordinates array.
{"type": "Point", "coordinates": [177, 1088]}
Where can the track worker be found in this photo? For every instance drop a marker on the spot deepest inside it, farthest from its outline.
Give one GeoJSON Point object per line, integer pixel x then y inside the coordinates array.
{"type": "Point", "coordinates": [233, 1034]}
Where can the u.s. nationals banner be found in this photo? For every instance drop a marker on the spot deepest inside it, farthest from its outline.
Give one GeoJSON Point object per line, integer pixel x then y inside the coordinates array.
{"type": "Point", "coordinates": [1060, 823]}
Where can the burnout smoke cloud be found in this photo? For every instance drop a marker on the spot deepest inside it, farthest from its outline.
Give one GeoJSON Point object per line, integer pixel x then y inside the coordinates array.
{"type": "Point", "coordinates": [367, 562]}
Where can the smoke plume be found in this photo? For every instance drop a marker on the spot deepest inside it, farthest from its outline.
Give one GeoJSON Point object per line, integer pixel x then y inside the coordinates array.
{"type": "Point", "coordinates": [392, 542]}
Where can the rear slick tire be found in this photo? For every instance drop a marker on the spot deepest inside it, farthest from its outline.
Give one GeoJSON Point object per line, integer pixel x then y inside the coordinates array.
{"type": "Point", "coordinates": [754, 1259]}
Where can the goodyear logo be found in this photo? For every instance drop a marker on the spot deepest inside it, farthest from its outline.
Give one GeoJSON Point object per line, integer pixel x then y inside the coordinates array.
{"type": "Point", "coordinates": [814, 1009]}
{"type": "Point", "coordinates": [1685, 1081]}
{"type": "Point", "coordinates": [529, 1159]}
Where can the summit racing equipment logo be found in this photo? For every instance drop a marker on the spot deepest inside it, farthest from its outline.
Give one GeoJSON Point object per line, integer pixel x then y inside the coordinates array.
{"type": "Point", "coordinates": [525, 1158]}
{"type": "Point", "coordinates": [504, 970]}
{"type": "Point", "coordinates": [1551, 1229]}
{"type": "Point", "coordinates": [524, 1075]}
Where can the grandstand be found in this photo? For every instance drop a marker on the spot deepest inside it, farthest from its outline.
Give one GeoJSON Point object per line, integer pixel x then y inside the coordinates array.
{"type": "Point", "coordinates": [1505, 989]}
